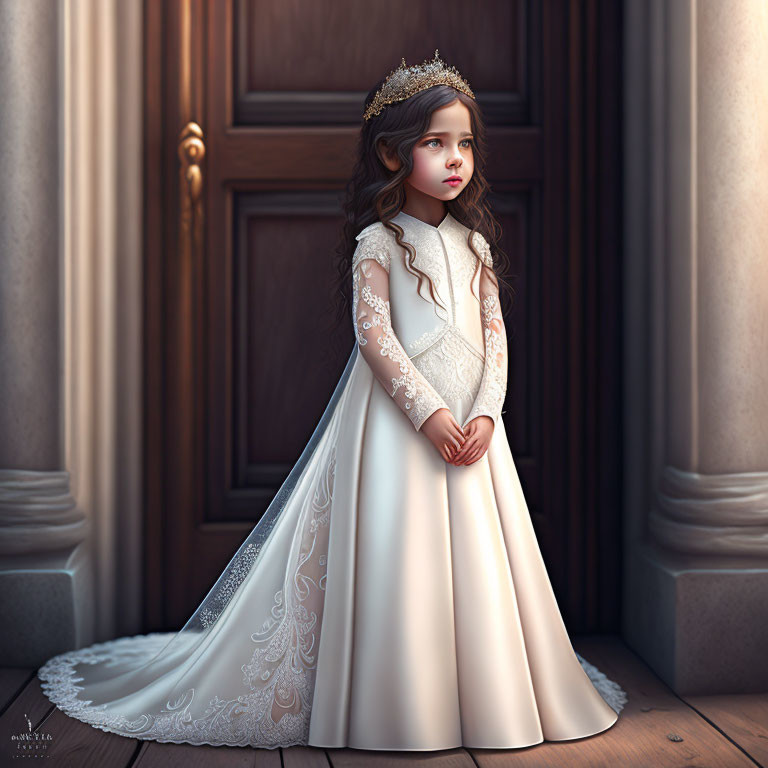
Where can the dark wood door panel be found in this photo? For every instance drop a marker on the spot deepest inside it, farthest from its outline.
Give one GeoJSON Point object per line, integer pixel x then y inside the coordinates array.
{"type": "Point", "coordinates": [286, 157]}
{"type": "Point", "coordinates": [285, 370]}
{"type": "Point", "coordinates": [287, 72]}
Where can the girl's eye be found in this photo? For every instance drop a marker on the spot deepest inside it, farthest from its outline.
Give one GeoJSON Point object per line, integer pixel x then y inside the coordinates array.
{"type": "Point", "coordinates": [466, 143]}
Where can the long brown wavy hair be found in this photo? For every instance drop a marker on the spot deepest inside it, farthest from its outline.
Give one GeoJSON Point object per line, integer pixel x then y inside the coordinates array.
{"type": "Point", "coordinates": [374, 193]}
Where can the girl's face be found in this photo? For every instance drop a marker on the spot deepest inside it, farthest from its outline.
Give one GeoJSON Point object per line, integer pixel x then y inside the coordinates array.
{"type": "Point", "coordinates": [444, 152]}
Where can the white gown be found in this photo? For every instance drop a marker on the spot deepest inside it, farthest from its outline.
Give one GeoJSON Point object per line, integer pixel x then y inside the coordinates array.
{"type": "Point", "coordinates": [390, 600]}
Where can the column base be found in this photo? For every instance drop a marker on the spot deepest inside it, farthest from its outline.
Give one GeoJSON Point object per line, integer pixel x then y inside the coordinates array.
{"type": "Point", "coordinates": [46, 604]}
{"type": "Point", "coordinates": [701, 624]}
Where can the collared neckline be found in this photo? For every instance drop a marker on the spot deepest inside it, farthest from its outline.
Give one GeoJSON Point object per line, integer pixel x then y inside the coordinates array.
{"type": "Point", "coordinates": [441, 227]}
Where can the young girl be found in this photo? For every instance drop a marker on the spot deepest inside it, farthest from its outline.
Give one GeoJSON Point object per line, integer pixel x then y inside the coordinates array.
{"type": "Point", "coordinates": [393, 596]}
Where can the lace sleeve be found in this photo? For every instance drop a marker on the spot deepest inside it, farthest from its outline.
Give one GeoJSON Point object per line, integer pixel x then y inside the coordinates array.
{"type": "Point", "coordinates": [493, 385]}
{"type": "Point", "coordinates": [378, 343]}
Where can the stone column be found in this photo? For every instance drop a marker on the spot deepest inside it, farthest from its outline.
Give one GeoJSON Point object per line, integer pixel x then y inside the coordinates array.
{"type": "Point", "coordinates": [43, 569]}
{"type": "Point", "coordinates": [696, 297]}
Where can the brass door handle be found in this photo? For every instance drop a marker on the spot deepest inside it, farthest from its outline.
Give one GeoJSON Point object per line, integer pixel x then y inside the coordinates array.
{"type": "Point", "coordinates": [191, 152]}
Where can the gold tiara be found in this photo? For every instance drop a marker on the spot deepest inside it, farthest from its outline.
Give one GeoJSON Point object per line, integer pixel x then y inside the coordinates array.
{"type": "Point", "coordinates": [404, 82]}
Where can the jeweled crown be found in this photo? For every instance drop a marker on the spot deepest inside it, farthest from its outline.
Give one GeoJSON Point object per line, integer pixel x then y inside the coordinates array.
{"type": "Point", "coordinates": [404, 82]}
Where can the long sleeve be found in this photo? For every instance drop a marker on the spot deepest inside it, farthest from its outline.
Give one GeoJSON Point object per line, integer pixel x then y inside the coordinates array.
{"type": "Point", "coordinates": [377, 341]}
{"type": "Point", "coordinates": [493, 385]}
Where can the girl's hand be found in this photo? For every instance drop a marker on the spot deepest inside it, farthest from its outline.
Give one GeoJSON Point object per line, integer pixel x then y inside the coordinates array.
{"type": "Point", "coordinates": [444, 432]}
{"type": "Point", "coordinates": [479, 432]}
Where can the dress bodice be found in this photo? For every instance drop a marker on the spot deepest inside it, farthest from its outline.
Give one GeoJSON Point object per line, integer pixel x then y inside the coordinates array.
{"type": "Point", "coordinates": [438, 310]}
{"type": "Point", "coordinates": [444, 256]}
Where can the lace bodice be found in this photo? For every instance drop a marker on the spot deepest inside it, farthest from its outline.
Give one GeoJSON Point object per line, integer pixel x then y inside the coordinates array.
{"type": "Point", "coordinates": [430, 354]}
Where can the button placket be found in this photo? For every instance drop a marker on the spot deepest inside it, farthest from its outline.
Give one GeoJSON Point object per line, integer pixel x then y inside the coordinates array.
{"type": "Point", "coordinates": [452, 320]}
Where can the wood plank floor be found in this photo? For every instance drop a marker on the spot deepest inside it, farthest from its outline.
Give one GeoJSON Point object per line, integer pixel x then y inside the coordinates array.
{"type": "Point", "coordinates": [657, 729]}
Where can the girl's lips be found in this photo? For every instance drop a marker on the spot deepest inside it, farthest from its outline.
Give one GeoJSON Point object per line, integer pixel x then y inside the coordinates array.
{"type": "Point", "coordinates": [453, 182]}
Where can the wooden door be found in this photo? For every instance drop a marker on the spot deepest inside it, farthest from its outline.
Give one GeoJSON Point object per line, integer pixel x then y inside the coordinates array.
{"type": "Point", "coordinates": [253, 108]}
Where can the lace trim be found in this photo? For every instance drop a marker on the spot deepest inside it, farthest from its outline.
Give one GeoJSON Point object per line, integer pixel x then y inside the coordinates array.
{"type": "Point", "coordinates": [423, 342]}
{"type": "Point", "coordinates": [613, 694]}
{"type": "Point", "coordinates": [422, 400]}
{"type": "Point", "coordinates": [426, 339]}
{"type": "Point", "coordinates": [451, 366]}
{"type": "Point", "coordinates": [430, 259]}
{"type": "Point", "coordinates": [481, 246]}
{"type": "Point", "coordinates": [237, 573]}
{"type": "Point", "coordinates": [464, 270]}
{"type": "Point", "coordinates": [448, 262]}
{"type": "Point", "coordinates": [375, 243]}
{"type": "Point", "coordinates": [493, 388]}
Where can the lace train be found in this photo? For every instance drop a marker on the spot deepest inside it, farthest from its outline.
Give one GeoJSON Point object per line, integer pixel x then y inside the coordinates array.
{"type": "Point", "coordinates": [60, 685]}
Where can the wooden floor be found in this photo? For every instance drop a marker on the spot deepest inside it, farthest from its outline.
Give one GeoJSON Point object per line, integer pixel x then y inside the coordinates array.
{"type": "Point", "coordinates": [656, 729]}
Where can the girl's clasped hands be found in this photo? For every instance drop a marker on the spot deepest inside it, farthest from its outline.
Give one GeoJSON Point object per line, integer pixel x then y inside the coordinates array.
{"type": "Point", "coordinates": [456, 446]}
